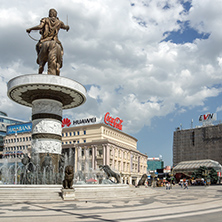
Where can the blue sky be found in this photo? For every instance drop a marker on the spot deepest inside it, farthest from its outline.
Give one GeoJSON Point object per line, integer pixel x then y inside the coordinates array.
{"type": "Point", "coordinates": [154, 63]}
{"type": "Point", "coordinates": [160, 139]}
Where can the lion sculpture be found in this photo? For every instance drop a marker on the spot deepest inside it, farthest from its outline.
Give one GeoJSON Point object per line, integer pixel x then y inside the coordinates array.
{"type": "Point", "coordinates": [110, 173]}
{"type": "Point", "coordinates": [69, 175]}
{"type": "Point", "coordinates": [142, 180]}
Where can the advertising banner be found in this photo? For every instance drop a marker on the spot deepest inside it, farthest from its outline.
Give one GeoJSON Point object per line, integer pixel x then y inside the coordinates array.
{"type": "Point", "coordinates": [20, 128]}
{"type": "Point", "coordinates": [66, 122]}
{"type": "Point", "coordinates": [114, 122]}
{"type": "Point", "coordinates": [208, 117]}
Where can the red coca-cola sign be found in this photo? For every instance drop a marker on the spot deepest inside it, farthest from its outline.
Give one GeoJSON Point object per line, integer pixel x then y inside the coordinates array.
{"type": "Point", "coordinates": [116, 123]}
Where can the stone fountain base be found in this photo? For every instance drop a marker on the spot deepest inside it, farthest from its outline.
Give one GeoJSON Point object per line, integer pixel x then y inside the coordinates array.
{"type": "Point", "coordinates": [68, 194]}
{"type": "Point", "coordinates": [47, 95]}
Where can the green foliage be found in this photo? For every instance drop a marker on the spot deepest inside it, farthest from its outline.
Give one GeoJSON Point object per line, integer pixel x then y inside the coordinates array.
{"type": "Point", "coordinates": [213, 176]}
{"type": "Point", "coordinates": [204, 172]}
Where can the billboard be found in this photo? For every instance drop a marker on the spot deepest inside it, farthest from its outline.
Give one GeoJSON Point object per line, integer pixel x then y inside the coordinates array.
{"type": "Point", "coordinates": [67, 122]}
{"type": "Point", "coordinates": [20, 128]}
{"type": "Point", "coordinates": [114, 122]}
{"type": "Point", "coordinates": [208, 117]}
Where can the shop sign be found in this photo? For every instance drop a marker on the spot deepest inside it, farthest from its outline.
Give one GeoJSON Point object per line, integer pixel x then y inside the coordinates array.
{"type": "Point", "coordinates": [116, 123]}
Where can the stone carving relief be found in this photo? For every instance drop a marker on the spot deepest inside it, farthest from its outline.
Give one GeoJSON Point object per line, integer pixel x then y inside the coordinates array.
{"type": "Point", "coordinates": [47, 126]}
{"type": "Point", "coordinates": [46, 146]}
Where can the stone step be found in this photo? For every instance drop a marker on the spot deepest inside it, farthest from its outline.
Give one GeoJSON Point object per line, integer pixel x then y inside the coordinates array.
{"type": "Point", "coordinates": [53, 192]}
{"type": "Point", "coordinates": [29, 192]}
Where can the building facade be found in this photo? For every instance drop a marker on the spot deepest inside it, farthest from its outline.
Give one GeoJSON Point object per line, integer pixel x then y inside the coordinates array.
{"type": "Point", "coordinates": [91, 146]}
{"type": "Point", "coordinates": [154, 163]}
{"type": "Point", "coordinates": [99, 144]}
{"type": "Point", "coordinates": [17, 141]}
{"type": "Point", "coordinates": [198, 144]}
{"type": "Point", "coordinates": [4, 122]}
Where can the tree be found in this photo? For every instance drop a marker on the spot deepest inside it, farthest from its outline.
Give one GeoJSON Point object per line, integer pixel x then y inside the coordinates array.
{"type": "Point", "coordinates": [204, 172]}
{"type": "Point", "coordinates": [213, 176]}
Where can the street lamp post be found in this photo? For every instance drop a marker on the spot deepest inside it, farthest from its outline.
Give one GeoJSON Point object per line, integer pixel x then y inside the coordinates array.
{"type": "Point", "coordinates": [171, 179]}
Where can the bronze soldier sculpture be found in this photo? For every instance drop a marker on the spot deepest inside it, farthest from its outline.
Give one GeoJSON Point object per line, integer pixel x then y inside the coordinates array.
{"type": "Point", "coordinates": [49, 48]}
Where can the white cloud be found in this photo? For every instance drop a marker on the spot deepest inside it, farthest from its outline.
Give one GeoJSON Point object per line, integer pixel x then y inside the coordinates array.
{"type": "Point", "coordinates": [219, 109]}
{"type": "Point", "coordinates": [116, 50]}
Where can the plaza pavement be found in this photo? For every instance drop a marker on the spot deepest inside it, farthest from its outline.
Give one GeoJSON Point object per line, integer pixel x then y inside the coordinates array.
{"type": "Point", "coordinates": [158, 204]}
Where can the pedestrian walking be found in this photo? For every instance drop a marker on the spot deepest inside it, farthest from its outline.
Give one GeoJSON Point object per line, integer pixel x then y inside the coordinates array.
{"type": "Point", "coordinates": [186, 185]}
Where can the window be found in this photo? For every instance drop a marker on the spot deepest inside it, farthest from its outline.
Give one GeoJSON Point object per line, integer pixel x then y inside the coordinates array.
{"type": "Point", "coordinates": [70, 133]}
{"type": "Point", "coordinates": [84, 141]}
{"type": "Point", "coordinates": [84, 132]}
{"type": "Point", "coordinates": [74, 133]}
{"type": "Point", "coordinates": [66, 134]}
{"type": "Point", "coordinates": [74, 141]}
{"type": "Point", "coordinates": [78, 141]}
{"type": "Point", "coordinates": [78, 133]}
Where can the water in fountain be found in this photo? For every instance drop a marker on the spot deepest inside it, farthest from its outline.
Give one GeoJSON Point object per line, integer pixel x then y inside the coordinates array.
{"type": "Point", "coordinates": [30, 171]}
{"type": "Point", "coordinates": [85, 174]}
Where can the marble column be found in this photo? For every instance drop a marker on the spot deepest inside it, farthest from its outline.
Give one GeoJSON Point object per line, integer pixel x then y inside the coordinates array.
{"type": "Point", "coordinates": [93, 157]}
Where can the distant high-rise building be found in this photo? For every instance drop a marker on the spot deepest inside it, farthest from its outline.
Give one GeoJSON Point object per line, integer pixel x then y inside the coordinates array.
{"type": "Point", "coordinates": [154, 163]}
{"type": "Point", "coordinates": [198, 144]}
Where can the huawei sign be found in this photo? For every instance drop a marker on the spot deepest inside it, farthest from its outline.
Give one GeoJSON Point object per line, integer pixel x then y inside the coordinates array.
{"type": "Point", "coordinates": [66, 122]}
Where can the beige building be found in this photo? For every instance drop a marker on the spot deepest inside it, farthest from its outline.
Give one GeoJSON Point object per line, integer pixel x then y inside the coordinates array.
{"type": "Point", "coordinates": [100, 144]}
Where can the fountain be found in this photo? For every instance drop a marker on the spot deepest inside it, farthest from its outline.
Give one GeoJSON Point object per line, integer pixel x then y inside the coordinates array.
{"type": "Point", "coordinates": [48, 95]}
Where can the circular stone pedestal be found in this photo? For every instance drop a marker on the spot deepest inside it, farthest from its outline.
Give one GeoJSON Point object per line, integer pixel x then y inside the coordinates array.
{"type": "Point", "coordinates": [48, 95]}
